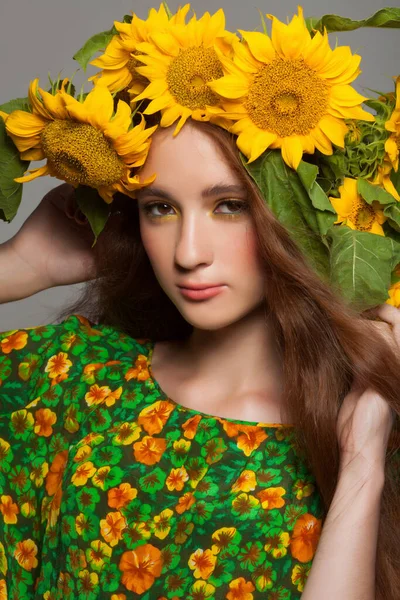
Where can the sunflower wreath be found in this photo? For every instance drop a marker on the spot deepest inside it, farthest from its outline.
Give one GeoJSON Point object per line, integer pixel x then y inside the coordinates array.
{"type": "Point", "coordinates": [327, 168]}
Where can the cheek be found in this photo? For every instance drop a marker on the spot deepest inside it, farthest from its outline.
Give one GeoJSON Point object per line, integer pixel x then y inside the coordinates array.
{"type": "Point", "coordinates": [243, 252]}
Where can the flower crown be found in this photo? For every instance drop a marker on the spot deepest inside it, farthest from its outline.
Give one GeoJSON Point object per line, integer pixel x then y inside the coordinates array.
{"type": "Point", "coordinates": [327, 168]}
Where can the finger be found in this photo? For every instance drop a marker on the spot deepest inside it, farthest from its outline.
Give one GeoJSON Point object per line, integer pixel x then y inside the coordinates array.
{"type": "Point", "coordinates": [389, 313]}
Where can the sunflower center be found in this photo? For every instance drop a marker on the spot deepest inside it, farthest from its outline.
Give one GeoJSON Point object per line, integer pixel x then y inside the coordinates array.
{"type": "Point", "coordinates": [287, 97]}
{"type": "Point", "coordinates": [189, 73]}
{"type": "Point", "coordinates": [80, 154]}
{"type": "Point", "coordinates": [362, 215]}
{"type": "Point", "coordinates": [131, 65]}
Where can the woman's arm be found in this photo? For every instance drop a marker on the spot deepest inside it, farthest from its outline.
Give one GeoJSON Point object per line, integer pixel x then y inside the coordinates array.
{"type": "Point", "coordinates": [344, 563]}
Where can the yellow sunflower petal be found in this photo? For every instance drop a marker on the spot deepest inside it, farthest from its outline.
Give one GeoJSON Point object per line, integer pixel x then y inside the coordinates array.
{"type": "Point", "coordinates": [54, 104]}
{"type": "Point", "coordinates": [290, 40]}
{"type": "Point", "coordinates": [33, 154]}
{"type": "Point", "coordinates": [185, 114]}
{"type": "Point", "coordinates": [170, 116]}
{"type": "Point", "coordinates": [24, 124]}
{"type": "Point", "coordinates": [260, 45]}
{"type": "Point", "coordinates": [165, 43]}
{"type": "Point", "coordinates": [37, 105]}
{"type": "Point", "coordinates": [346, 96]}
{"type": "Point", "coordinates": [292, 151]}
{"type": "Point", "coordinates": [230, 86]}
{"type": "Point", "coordinates": [155, 89]}
{"type": "Point", "coordinates": [115, 57]}
{"type": "Point", "coordinates": [392, 151]}
{"type": "Point", "coordinates": [34, 173]}
{"type": "Point", "coordinates": [121, 121]}
{"type": "Point", "coordinates": [321, 141]}
{"type": "Point", "coordinates": [377, 228]}
{"type": "Point", "coordinates": [158, 104]}
{"type": "Point", "coordinates": [334, 129]}
{"type": "Point", "coordinates": [215, 28]}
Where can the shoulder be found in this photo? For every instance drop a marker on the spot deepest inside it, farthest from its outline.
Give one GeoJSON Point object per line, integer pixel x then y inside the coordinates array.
{"type": "Point", "coordinates": [37, 359]}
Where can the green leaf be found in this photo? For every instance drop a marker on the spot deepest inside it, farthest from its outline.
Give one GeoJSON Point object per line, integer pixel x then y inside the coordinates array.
{"type": "Point", "coordinates": [97, 42]}
{"type": "Point", "coordinates": [361, 266]}
{"type": "Point", "coordinates": [308, 175]}
{"type": "Point", "coordinates": [286, 196]}
{"type": "Point", "coordinates": [311, 23]}
{"type": "Point", "coordinates": [93, 207]}
{"type": "Point", "coordinates": [16, 104]}
{"type": "Point", "coordinates": [386, 17]}
{"type": "Point", "coordinates": [370, 193]}
{"type": "Point", "coordinates": [393, 213]}
{"type": "Point", "coordinates": [168, 10]}
{"type": "Point", "coordinates": [11, 165]}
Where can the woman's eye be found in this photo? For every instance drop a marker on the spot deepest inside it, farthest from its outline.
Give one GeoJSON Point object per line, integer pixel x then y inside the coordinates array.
{"type": "Point", "coordinates": [238, 208]}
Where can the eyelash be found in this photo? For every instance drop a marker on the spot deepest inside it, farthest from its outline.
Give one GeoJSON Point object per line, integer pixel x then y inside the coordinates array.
{"type": "Point", "coordinates": [147, 209]}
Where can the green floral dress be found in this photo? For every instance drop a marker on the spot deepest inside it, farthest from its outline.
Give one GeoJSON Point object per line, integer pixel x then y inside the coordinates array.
{"type": "Point", "coordinates": [109, 489]}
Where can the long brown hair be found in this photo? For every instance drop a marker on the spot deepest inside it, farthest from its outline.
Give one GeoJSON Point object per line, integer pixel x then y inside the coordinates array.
{"type": "Point", "coordinates": [324, 343]}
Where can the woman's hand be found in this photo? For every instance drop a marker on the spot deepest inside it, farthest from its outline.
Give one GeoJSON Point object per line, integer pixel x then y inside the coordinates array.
{"type": "Point", "coordinates": [54, 243]}
{"type": "Point", "coordinates": [365, 419]}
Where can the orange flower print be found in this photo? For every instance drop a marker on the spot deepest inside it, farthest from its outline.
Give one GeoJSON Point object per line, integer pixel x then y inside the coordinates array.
{"type": "Point", "coordinates": [246, 482]}
{"type": "Point", "coordinates": [202, 562]}
{"type": "Point", "coordinates": [15, 341]}
{"type": "Point", "coordinates": [231, 429]}
{"type": "Point", "coordinates": [126, 433]}
{"type": "Point", "coordinates": [3, 560]}
{"type": "Point", "coordinates": [185, 502]}
{"type": "Point", "coordinates": [176, 479]}
{"type": "Point", "coordinates": [272, 497]}
{"type": "Point", "coordinates": [240, 589]}
{"type": "Point", "coordinates": [112, 527]}
{"type": "Point", "coordinates": [190, 426]}
{"type": "Point", "coordinates": [57, 365]}
{"type": "Point", "coordinates": [54, 476]}
{"type": "Point", "coordinates": [97, 394]}
{"type": "Point", "coordinates": [300, 575]}
{"type": "Point", "coordinates": [83, 473]}
{"type": "Point", "coordinates": [140, 371]}
{"type": "Point", "coordinates": [25, 553]}
{"type": "Point", "coordinates": [162, 523]}
{"type": "Point", "coordinates": [222, 538]}
{"type": "Point", "coordinates": [9, 510]}
{"type": "Point", "coordinates": [98, 555]}
{"type": "Point", "coordinates": [116, 395]}
{"type": "Point", "coordinates": [140, 567]}
{"type": "Point", "coordinates": [303, 489]}
{"type": "Point", "coordinates": [153, 417]}
{"type": "Point", "coordinates": [121, 496]}
{"type": "Point", "coordinates": [305, 537]}
{"type": "Point", "coordinates": [118, 597]}
{"type": "Point", "coordinates": [82, 453]}
{"type": "Point", "coordinates": [44, 419]}
{"type": "Point", "coordinates": [3, 590]}
{"type": "Point", "coordinates": [53, 485]}
{"type": "Point", "coordinates": [202, 590]}
{"type": "Point", "coordinates": [149, 450]}
{"type": "Point", "coordinates": [250, 438]}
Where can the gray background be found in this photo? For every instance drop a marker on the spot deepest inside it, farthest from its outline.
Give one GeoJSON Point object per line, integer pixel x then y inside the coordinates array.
{"type": "Point", "coordinates": [41, 36]}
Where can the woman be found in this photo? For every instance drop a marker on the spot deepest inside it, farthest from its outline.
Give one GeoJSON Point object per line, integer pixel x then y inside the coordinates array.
{"type": "Point", "coordinates": [187, 445]}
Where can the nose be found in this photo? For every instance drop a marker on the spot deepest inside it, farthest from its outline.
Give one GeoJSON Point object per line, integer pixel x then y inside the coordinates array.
{"type": "Point", "coordinates": [194, 242]}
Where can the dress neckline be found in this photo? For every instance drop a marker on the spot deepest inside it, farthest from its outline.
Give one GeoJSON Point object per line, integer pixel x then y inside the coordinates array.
{"type": "Point", "coordinates": [192, 411]}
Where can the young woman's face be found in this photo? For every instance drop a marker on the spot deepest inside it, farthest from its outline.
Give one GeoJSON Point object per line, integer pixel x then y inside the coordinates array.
{"type": "Point", "coordinates": [195, 233]}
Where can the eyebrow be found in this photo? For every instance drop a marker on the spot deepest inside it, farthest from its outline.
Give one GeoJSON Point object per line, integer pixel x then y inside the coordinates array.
{"type": "Point", "coordinates": [212, 190]}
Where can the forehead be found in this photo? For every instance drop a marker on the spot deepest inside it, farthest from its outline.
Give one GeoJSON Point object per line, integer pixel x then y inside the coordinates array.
{"type": "Point", "coordinates": [191, 156]}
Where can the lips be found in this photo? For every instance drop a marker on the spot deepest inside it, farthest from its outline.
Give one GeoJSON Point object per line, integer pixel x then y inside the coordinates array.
{"type": "Point", "coordinates": [199, 286]}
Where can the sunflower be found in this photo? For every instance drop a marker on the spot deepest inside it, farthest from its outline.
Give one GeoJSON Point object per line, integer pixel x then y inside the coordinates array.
{"type": "Point", "coordinates": [179, 63]}
{"type": "Point", "coordinates": [83, 142]}
{"type": "Point", "coordinates": [119, 59]}
{"type": "Point", "coordinates": [355, 212]}
{"type": "Point", "coordinates": [289, 91]}
{"type": "Point", "coordinates": [394, 295]}
{"type": "Point", "coordinates": [392, 145]}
